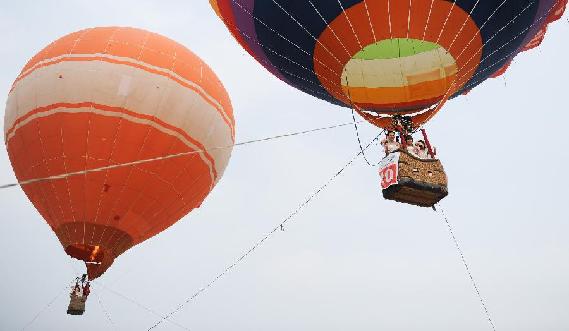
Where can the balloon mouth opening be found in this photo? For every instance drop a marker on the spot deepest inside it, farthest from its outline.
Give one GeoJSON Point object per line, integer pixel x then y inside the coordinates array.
{"type": "Point", "coordinates": [87, 253]}
{"type": "Point", "coordinates": [107, 242]}
{"type": "Point", "coordinates": [400, 74]}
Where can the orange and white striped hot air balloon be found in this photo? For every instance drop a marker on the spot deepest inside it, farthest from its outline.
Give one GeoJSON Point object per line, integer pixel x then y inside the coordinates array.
{"type": "Point", "coordinates": [109, 96]}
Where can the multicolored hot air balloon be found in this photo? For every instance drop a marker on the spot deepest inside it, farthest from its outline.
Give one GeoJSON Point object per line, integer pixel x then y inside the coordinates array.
{"type": "Point", "coordinates": [108, 96]}
{"type": "Point", "coordinates": [386, 57]}
{"type": "Point", "coordinates": [396, 62]}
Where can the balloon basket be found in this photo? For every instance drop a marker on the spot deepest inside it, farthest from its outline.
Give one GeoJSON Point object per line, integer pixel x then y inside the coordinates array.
{"type": "Point", "coordinates": [76, 304]}
{"type": "Point", "coordinates": [420, 182]}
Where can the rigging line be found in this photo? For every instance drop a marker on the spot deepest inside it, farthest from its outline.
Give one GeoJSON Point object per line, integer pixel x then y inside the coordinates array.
{"type": "Point", "coordinates": [153, 312]}
{"type": "Point", "coordinates": [106, 313]}
{"type": "Point", "coordinates": [156, 171]}
{"type": "Point", "coordinates": [360, 141]}
{"type": "Point", "coordinates": [464, 24]}
{"type": "Point", "coordinates": [390, 21]}
{"type": "Point", "coordinates": [279, 34]}
{"type": "Point", "coordinates": [503, 45]}
{"type": "Point", "coordinates": [484, 24]}
{"type": "Point", "coordinates": [370, 24]}
{"type": "Point", "coordinates": [454, 83]}
{"type": "Point", "coordinates": [282, 69]}
{"type": "Point", "coordinates": [312, 36]}
{"type": "Point", "coordinates": [52, 191]}
{"type": "Point", "coordinates": [121, 122]}
{"type": "Point", "coordinates": [306, 30]}
{"type": "Point", "coordinates": [447, 95]}
{"type": "Point", "coordinates": [446, 21]}
{"type": "Point", "coordinates": [400, 62]}
{"type": "Point", "coordinates": [44, 309]}
{"type": "Point", "coordinates": [482, 27]}
{"type": "Point", "coordinates": [413, 44]}
{"type": "Point", "coordinates": [466, 266]}
{"type": "Point", "coordinates": [487, 41]}
{"type": "Point", "coordinates": [277, 228]}
{"type": "Point", "coordinates": [497, 33]}
{"type": "Point", "coordinates": [356, 124]}
{"type": "Point", "coordinates": [409, 19]}
{"type": "Point", "coordinates": [171, 156]}
{"type": "Point", "coordinates": [481, 70]}
{"type": "Point", "coordinates": [428, 20]}
{"type": "Point", "coordinates": [350, 23]}
{"type": "Point", "coordinates": [356, 36]}
{"type": "Point", "coordinates": [331, 29]}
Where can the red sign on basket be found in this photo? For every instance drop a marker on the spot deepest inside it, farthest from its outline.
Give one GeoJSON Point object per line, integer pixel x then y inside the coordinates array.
{"type": "Point", "coordinates": [388, 170]}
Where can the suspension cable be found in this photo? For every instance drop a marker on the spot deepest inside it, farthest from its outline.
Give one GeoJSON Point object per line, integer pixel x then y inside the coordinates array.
{"type": "Point", "coordinates": [153, 312]}
{"type": "Point", "coordinates": [171, 156]}
{"type": "Point", "coordinates": [105, 311]}
{"type": "Point", "coordinates": [466, 266]}
{"type": "Point", "coordinates": [44, 309]}
{"type": "Point", "coordinates": [265, 237]}
{"type": "Point", "coordinates": [360, 141]}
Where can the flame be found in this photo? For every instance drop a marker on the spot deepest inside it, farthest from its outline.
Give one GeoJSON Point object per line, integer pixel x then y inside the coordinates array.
{"type": "Point", "coordinates": [94, 253]}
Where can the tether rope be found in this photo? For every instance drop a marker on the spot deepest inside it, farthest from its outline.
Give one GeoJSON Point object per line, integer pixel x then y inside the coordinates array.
{"type": "Point", "coordinates": [466, 267]}
{"type": "Point", "coordinates": [171, 156]}
{"type": "Point", "coordinates": [360, 141]}
{"type": "Point", "coordinates": [44, 309]}
{"type": "Point", "coordinates": [153, 312]}
{"type": "Point", "coordinates": [267, 236]}
{"type": "Point", "coordinates": [450, 228]}
{"type": "Point", "coordinates": [105, 311]}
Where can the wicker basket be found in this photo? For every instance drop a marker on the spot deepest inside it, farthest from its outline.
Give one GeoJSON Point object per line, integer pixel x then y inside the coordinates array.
{"type": "Point", "coordinates": [421, 182]}
{"type": "Point", "coordinates": [76, 304]}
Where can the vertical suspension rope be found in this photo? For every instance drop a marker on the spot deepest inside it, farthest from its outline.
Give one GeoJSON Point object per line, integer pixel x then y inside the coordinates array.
{"type": "Point", "coordinates": [360, 141]}
{"type": "Point", "coordinates": [354, 106]}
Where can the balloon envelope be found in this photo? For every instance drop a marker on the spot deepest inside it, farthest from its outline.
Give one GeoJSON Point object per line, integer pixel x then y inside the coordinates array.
{"type": "Point", "coordinates": [107, 96]}
{"type": "Point", "coordinates": [385, 56]}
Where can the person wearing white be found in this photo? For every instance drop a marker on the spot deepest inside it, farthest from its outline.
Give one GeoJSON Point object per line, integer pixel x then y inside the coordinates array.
{"type": "Point", "coordinates": [412, 149]}
{"type": "Point", "coordinates": [389, 144]}
{"type": "Point", "coordinates": [422, 150]}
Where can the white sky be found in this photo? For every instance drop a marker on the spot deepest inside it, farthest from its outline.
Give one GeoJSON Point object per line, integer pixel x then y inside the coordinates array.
{"type": "Point", "coordinates": [350, 260]}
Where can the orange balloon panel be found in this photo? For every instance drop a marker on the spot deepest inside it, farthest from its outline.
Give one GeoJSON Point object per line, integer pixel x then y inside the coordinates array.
{"type": "Point", "coordinates": [107, 96]}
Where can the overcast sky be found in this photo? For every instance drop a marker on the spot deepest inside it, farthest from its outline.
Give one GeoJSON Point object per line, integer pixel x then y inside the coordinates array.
{"type": "Point", "coordinates": [349, 260]}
